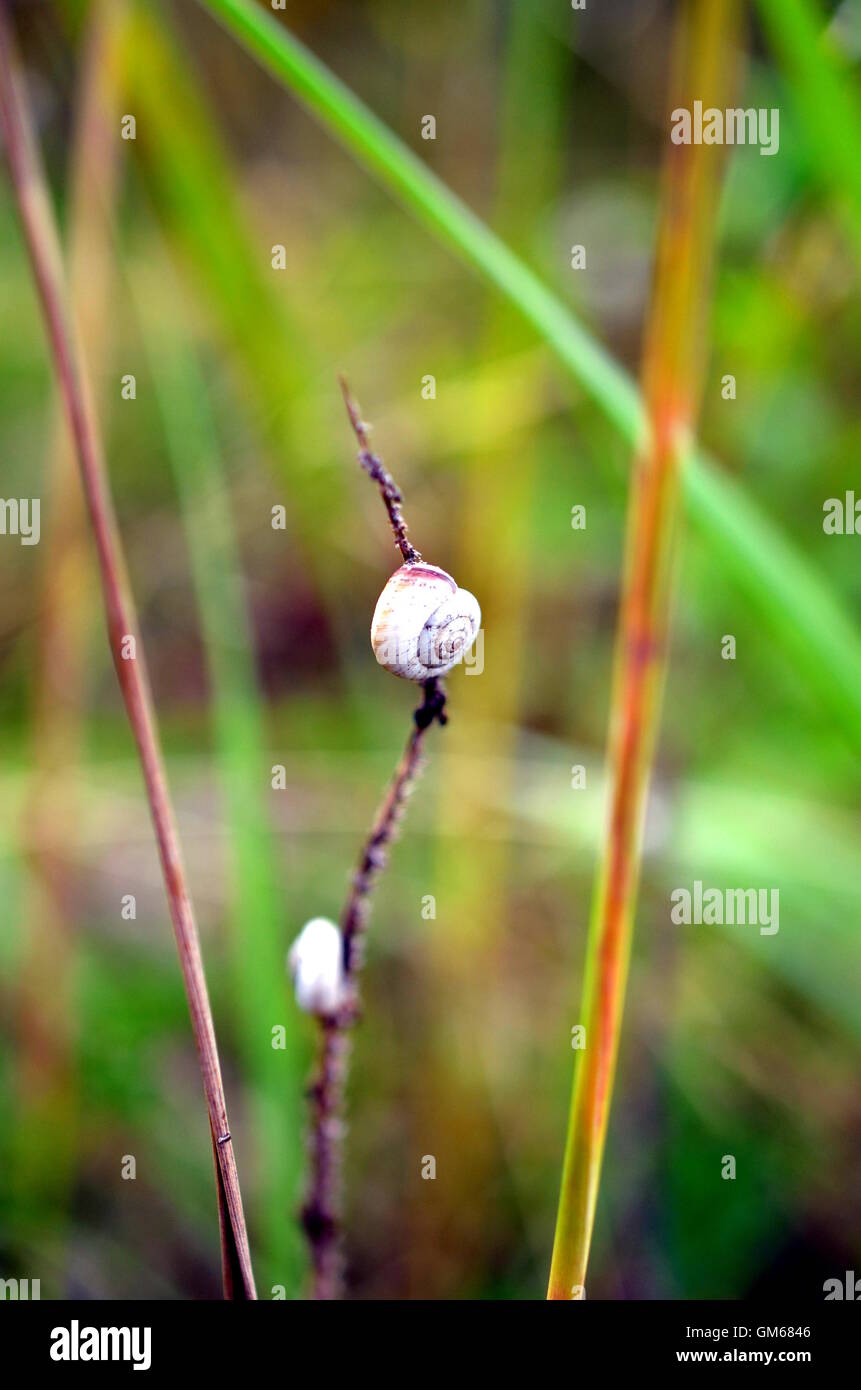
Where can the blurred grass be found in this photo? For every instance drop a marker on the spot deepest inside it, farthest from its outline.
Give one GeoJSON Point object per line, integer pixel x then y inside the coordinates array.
{"type": "Point", "coordinates": [471, 873]}
{"type": "Point", "coordinates": [47, 1139]}
{"type": "Point", "coordinates": [830, 654]}
{"type": "Point", "coordinates": [672, 377]}
{"type": "Point", "coordinates": [829, 106]}
{"type": "Point", "coordinates": [258, 903]}
{"type": "Point", "coordinates": [726, 1030]}
{"type": "Point", "coordinates": [190, 181]}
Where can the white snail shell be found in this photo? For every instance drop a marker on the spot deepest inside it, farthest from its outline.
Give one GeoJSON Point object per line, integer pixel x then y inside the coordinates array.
{"type": "Point", "coordinates": [315, 961]}
{"type": "Point", "coordinates": [423, 624]}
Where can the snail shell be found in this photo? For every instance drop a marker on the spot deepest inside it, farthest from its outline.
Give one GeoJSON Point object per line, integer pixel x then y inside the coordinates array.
{"type": "Point", "coordinates": [423, 623]}
{"type": "Point", "coordinates": [315, 961]}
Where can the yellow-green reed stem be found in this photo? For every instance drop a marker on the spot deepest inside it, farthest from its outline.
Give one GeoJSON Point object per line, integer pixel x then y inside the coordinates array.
{"type": "Point", "coordinates": [672, 359]}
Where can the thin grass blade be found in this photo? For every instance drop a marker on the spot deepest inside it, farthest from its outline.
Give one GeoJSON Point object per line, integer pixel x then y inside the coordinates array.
{"type": "Point", "coordinates": [42, 241]}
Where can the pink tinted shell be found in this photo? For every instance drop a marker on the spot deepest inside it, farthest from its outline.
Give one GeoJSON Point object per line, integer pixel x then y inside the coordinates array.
{"type": "Point", "coordinates": [423, 624]}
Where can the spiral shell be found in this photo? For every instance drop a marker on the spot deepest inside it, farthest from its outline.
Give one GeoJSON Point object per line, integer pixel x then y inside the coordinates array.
{"type": "Point", "coordinates": [423, 623]}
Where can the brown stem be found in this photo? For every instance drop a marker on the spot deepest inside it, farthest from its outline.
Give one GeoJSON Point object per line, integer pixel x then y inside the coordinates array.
{"type": "Point", "coordinates": [373, 465]}
{"type": "Point", "coordinates": [40, 234]}
{"type": "Point", "coordinates": [374, 855]}
{"type": "Point", "coordinates": [321, 1214]}
{"type": "Point", "coordinates": [47, 1071]}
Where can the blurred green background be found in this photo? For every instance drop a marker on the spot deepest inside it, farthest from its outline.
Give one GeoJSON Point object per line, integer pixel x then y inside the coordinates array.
{"type": "Point", "coordinates": [552, 127]}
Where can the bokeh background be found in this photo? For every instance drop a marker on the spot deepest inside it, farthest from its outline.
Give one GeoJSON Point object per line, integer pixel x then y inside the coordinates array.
{"type": "Point", "coordinates": [552, 127]}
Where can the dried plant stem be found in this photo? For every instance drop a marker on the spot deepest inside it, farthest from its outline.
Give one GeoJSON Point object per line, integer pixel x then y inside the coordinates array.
{"type": "Point", "coordinates": [672, 361]}
{"type": "Point", "coordinates": [321, 1213]}
{"type": "Point", "coordinates": [354, 918]}
{"type": "Point", "coordinates": [40, 234]}
{"type": "Point", "coordinates": [373, 466]}
{"type": "Point", "coordinates": [46, 1032]}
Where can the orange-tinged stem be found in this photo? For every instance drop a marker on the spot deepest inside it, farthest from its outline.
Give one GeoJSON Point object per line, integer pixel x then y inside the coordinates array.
{"type": "Point", "coordinates": [672, 366]}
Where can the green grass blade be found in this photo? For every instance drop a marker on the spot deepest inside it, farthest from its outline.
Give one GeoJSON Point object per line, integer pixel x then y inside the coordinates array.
{"type": "Point", "coordinates": [419, 189]}
{"type": "Point", "coordinates": [814, 628]}
{"type": "Point", "coordinates": [827, 99]}
{"type": "Point", "coordinates": [191, 182]}
{"type": "Point", "coordinates": [189, 179]}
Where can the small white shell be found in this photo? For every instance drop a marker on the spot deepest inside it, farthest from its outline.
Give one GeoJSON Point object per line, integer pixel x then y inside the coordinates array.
{"type": "Point", "coordinates": [316, 963]}
{"type": "Point", "coordinates": [423, 624]}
